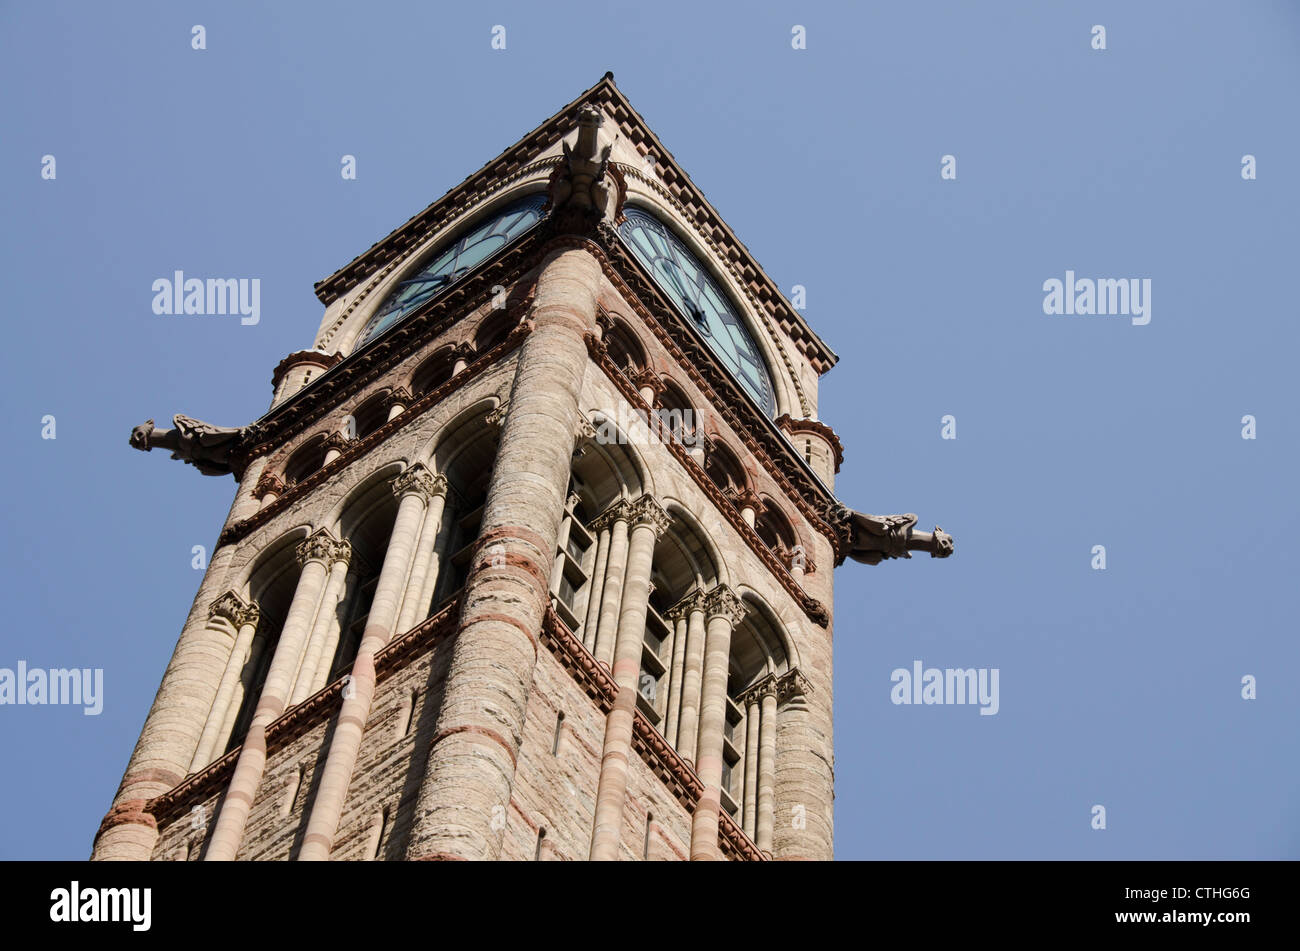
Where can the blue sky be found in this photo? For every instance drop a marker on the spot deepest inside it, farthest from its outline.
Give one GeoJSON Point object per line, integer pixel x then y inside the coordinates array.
{"type": "Point", "coordinates": [1119, 687]}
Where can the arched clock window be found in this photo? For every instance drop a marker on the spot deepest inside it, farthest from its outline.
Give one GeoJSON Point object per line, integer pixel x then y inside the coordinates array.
{"type": "Point", "coordinates": [689, 286]}
{"type": "Point", "coordinates": [453, 261]}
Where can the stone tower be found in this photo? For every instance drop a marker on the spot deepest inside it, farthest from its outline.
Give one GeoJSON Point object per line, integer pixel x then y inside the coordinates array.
{"type": "Point", "coordinates": [530, 556]}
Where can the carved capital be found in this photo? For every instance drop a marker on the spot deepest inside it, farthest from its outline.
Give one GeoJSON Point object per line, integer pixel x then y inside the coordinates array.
{"type": "Point", "coordinates": [767, 687]}
{"type": "Point", "coordinates": [723, 602]}
{"type": "Point", "coordinates": [235, 610]}
{"type": "Point", "coordinates": [582, 435]}
{"type": "Point", "coordinates": [269, 482]}
{"type": "Point", "coordinates": [748, 498]}
{"type": "Point", "coordinates": [418, 480]}
{"type": "Point", "coordinates": [619, 511]}
{"type": "Point", "coordinates": [336, 440]}
{"type": "Point", "coordinates": [323, 547]}
{"type": "Point", "coordinates": [792, 685]}
{"type": "Point", "coordinates": [647, 511]}
{"type": "Point", "coordinates": [497, 418]}
{"type": "Point", "coordinates": [400, 395]}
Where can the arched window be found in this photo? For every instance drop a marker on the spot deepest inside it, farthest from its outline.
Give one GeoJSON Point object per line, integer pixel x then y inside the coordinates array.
{"type": "Point", "coordinates": [688, 285]}
{"type": "Point", "coordinates": [304, 461]}
{"type": "Point", "coordinates": [625, 350]}
{"type": "Point", "coordinates": [370, 415]}
{"type": "Point", "coordinates": [493, 330]}
{"type": "Point", "coordinates": [723, 467]}
{"type": "Point", "coordinates": [433, 372]}
{"type": "Point", "coordinates": [451, 262]}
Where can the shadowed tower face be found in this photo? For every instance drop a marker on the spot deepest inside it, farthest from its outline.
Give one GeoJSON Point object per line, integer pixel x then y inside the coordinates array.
{"type": "Point", "coordinates": [530, 557]}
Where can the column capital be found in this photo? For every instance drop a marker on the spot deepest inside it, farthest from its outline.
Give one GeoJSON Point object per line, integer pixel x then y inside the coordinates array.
{"type": "Point", "coordinates": [418, 480]}
{"type": "Point", "coordinates": [497, 418]}
{"type": "Point", "coordinates": [723, 602]}
{"type": "Point", "coordinates": [694, 601]}
{"type": "Point", "coordinates": [769, 686]}
{"type": "Point", "coordinates": [792, 685]}
{"type": "Point", "coordinates": [235, 609]}
{"type": "Point", "coordinates": [618, 511]}
{"type": "Point", "coordinates": [269, 482]}
{"type": "Point", "coordinates": [323, 547]}
{"type": "Point", "coordinates": [647, 511]}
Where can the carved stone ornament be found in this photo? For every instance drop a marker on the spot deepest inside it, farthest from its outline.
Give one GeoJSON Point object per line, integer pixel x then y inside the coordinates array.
{"type": "Point", "coordinates": [418, 480]}
{"type": "Point", "coordinates": [723, 602]}
{"type": "Point", "coordinates": [235, 610]}
{"type": "Point", "coordinates": [618, 511]}
{"type": "Point", "coordinates": [584, 190]}
{"type": "Point", "coordinates": [647, 511]}
{"type": "Point", "coordinates": [206, 447]}
{"type": "Point", "coordinates": [871, 539]}
{"type": "Point", "coordinates": [324, 547]}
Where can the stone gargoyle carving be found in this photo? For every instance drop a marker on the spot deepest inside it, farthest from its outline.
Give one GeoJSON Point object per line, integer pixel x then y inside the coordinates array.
{"type": "Point", "coordinates": [206, 447]}
{"type": "Point", "coordinates": [583, 189]}
{"type": "Point", "coordinates": [873, 538]}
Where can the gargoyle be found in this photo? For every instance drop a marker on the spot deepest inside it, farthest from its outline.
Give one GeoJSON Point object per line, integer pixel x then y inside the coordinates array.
{"type": "Point", "coordinates": [873, 538]}
{"type": "Point", "coordinates": [583, 186]}
{"type": "Point", "coordinates": [206, 447]}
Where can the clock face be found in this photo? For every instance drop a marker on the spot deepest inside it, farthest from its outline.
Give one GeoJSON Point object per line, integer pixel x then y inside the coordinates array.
{"type": "Point", "coordinates": [453, 261]}
{"type": "Point", "coordinates": [682, 277]}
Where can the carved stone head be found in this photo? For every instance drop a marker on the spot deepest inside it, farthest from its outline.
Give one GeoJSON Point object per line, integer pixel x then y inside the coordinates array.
{"type": "Point", "coordinates": [140, 436]}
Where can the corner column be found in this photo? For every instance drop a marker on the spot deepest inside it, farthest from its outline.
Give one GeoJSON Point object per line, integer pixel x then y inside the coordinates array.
{"type": "Point", "coordinates": [327, 621]}
{"type": "Point", "coordinates": [615, 518]}
{"type": "Point", "coordinates": [475, 747]}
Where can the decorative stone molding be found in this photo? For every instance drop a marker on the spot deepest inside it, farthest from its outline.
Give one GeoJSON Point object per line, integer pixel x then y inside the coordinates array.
{"type": "Point", "coordinates": [723, 602]}
{"type": "Point", "coordinates": [418, 480]}
{"type": "Point", "coordinates": [337, 441]}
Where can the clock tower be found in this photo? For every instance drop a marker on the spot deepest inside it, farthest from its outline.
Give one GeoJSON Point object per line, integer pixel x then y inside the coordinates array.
{"type": "Point", "coordinates": [531, 555]}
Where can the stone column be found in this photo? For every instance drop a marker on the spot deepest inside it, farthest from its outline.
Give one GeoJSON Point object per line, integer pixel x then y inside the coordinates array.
{"type": "Point", "coordinates": [750, 800]}
{"type": "Point", "coordinates": [413, 606]}
{"type": "Point", "coordinates": [180, 709]}
{"type": "Point", "coordinates": [676, 668]}
{"type": "Point", "coordinates": [724, 610]}
{"type": "Point", "coordinates": [597, 585]}
{"type": "Point", "coordinates": [414, 487]}
{"type": "Point", "coordinates": [611, 596]}
{"type": "Point", "coordinates": [243, 685]}
{"type": "Point", "coordinates": [474, 750]}
{"type": "Point", "coordinates": [326, 624]}
{"type": "Point", "coordinates": [400, 398]}
{"type": "Point", "coordinates": [688, 723]}
{"type": "Point", "coordinates": [766, 765]}
{"type": "Point", "coordinates": [649, 521]}
{"type": "Point", "coordinates": [314, 553]}
{"type": "Point", "coordinates": [243, 620]}
{"type": "Point", "coordinates": [804, 780]}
